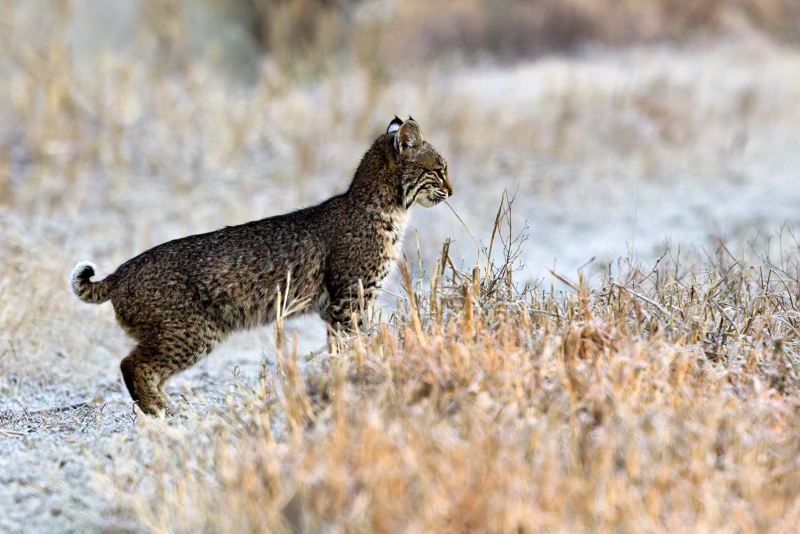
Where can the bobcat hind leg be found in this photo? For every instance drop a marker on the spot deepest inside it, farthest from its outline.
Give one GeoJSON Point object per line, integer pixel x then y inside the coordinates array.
{"type": "Point", "coordinates": [139, 371]}
{"type": "Point", "coordinates": [150, 365]}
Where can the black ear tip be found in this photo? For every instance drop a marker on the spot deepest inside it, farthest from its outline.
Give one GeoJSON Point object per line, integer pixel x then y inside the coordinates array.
{"type": "Point", "coordinates": [394, 125]}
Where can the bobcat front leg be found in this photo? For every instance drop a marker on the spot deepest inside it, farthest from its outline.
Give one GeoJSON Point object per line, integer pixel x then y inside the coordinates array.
{"type": "Point", "coordinates": [344, 313]}
{"type": "Point", "coordinates": [340, 318]}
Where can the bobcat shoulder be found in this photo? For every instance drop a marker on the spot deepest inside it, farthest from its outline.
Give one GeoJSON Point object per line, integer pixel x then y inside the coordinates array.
{"type": "Point", "coordinates": [178, 300]}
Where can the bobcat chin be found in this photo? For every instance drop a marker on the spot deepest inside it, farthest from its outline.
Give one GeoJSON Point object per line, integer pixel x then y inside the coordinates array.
{"type": "Point", "coordinates": [178, 300]}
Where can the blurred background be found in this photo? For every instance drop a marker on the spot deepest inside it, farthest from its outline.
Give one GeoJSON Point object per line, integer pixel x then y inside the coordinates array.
{"type": "Point", "coordinates": [621, 127]}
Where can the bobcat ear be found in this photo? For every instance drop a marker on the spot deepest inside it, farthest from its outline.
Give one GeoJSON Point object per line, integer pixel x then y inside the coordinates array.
{"type": "Point", "coordinates": [407, 135]}
{"type": "Point", "coordinates": [394, 125]}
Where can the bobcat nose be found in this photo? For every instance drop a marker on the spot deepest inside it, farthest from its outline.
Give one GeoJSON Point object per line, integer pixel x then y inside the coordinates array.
{"type": "Point", "coordinates": [448, 186]}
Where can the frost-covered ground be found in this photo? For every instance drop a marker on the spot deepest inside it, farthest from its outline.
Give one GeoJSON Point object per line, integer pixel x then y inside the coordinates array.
{"type": "Point", "coordinates": [664, 143]}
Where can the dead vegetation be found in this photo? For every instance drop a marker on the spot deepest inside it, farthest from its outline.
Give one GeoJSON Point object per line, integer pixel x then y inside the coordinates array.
{"type": "Point", "coordinates": [650, 400]}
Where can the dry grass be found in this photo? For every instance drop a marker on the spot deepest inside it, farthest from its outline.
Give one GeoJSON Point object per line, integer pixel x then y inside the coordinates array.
{"type": "Point", "coordinates": [654, 400]}
{"type": "Point", "coordinates": [635, 400]}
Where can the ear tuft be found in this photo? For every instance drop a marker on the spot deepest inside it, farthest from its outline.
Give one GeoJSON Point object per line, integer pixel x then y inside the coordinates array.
{"type": "Point", "coordinates": [394, 125]}
{"type": "Point", "coordinates": [407, 136]}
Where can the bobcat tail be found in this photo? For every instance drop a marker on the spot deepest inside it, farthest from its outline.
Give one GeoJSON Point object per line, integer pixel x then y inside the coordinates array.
{"type": "Point", "coordinates": [88, 291]}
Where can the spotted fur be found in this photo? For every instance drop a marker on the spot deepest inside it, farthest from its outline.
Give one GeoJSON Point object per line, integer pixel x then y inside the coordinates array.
{"type": "Point", "coordinates": [178, 300]}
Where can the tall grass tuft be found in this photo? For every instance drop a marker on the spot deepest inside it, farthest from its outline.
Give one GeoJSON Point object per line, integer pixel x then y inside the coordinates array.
{"type": "Point", "coordinates": [655, 399]}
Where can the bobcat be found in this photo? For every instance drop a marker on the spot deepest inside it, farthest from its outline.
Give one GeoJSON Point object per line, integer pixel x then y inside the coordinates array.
{"type": "Point", "coordinates": [178, 300]}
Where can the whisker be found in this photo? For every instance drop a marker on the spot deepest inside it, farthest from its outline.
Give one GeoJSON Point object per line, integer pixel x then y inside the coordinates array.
{"type": "Point", "coordinates": [467, 229]}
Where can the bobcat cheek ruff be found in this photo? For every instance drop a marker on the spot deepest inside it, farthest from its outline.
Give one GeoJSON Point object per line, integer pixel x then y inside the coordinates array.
{"type": "Point", "coordinates": [178, 300]}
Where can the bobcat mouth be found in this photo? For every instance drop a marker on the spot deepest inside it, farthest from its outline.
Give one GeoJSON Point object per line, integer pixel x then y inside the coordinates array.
{"type": "Point", "coordinates": [433, 198]}
{"type": "Point", "coordinates": [440, 195]}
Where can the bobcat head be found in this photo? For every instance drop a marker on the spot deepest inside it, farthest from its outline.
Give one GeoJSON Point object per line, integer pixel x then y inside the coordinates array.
{"type": "Point", "coordinates": [423, 171]}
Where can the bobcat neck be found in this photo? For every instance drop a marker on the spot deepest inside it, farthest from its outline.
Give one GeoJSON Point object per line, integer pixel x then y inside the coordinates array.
{"type": "Point", "coordinates": [392, 229]}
